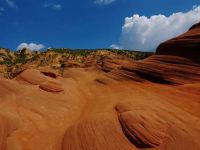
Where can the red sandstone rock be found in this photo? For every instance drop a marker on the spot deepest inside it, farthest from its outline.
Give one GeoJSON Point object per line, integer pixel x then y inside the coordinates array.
{"type": "Point", "coordinates": [99, 132]}
{"type": "Point", "coordinates": [32, 76]}
{"type": "Point", "coordinates": [51, 86]}
{"type": "Point", "coordinates": [143, 128]}
{"type": "Point", "coordinates": [117, 104]}
{"type": "Point", "coordinates": [186, 45]}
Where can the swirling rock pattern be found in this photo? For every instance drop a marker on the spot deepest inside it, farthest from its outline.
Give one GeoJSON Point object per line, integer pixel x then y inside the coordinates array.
{"type": "Point", "coordinates": [186, 45]}
{"type": "Point", "coordinates": [143, 129]}
{"type": "Point", "coordinates": [114, 103]}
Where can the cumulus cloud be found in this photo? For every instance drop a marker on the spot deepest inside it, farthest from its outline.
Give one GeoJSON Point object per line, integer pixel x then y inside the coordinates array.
{"type": "Point", "coordinates": [11, 3]}
{"type": "Point", "coordinates": [143, 33]}
{"type": "Point", "coordinates": [52, 6]}
{"type": "Point", "coordinates": [31, 46]}
{"type": "Point", "coordinates": [104, 2]}
{"type": "Point", "coordinates": [114, 46]}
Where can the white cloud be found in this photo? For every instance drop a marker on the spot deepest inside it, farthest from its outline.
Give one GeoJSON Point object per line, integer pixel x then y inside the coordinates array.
{"type": "Point", "coordinates": [52, 6]}
{"type": "Point", "coordinates": [104, 2]}
{"type": "Point", "coordinates": [114, 46]}
{"type": "Point", "coordinates": [11, 3]}
{"type": "Point", "coordinates": [143, 33]}
{"type": "Point", "coordinates": [31, 46]}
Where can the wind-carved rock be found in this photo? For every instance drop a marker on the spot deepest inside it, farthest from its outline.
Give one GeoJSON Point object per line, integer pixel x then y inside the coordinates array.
{"type": "Point", "coordinates": [186, 45]}
{"type": "Point", "coordinates": [143, 128]}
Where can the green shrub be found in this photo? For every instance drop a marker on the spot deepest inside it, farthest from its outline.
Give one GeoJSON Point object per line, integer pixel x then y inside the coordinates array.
{"type": "Point", "coordinates": [21, 59]}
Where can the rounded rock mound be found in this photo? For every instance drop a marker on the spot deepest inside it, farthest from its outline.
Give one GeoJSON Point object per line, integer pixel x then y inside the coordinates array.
{"type": "Point", "coordinates": [143, 128]}
{"type": "Point", "coordinates": [51, 86]}
{"type": "Point", "coordinates": [186, 45]}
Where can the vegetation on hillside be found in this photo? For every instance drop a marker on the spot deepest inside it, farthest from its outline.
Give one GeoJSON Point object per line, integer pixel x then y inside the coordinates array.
{"type": "Point", "coordinates": [57, 58]}
{"type": "Point", "coordinates": [136, 55]}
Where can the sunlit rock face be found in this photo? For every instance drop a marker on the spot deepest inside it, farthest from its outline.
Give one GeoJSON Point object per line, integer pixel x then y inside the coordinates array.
{"type": "Point", "coordinates": [186, 45]}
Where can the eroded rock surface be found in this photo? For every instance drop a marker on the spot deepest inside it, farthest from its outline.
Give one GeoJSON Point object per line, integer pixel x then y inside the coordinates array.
{"type": "Point", "coordinates": [103, 100]}
{"type": "Point", "coordinates": [143, 128]}
{"type": "Point", "coordinates": [97, 132]}
{"type": "Point", "coordinates": [186, 45]}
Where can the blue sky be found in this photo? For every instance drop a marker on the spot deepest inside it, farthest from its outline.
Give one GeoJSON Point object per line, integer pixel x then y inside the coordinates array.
{"type": "Point", "coordinates": [83, 23]}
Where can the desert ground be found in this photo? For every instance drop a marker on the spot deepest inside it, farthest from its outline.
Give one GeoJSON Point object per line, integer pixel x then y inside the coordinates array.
{"type": "Point", "coordinates": [115, 103]}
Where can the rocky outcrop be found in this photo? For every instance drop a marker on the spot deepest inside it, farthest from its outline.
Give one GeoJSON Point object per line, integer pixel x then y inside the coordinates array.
{"type": "Point", "coordinates": [99, 132]}
{"type": "Point", "coordinates": [143, 129]}
{"type": "Point", "coordinates": [162, 69]}
{"type": "Point", "coordinates": [176, 62]}
{"type": "Point", "coordinates": [101, 100]}
{"type": "Point", "coordinates": [186, 45]}
{"type": "Point", "coordinates": [45, 80]}
{"type": "Point", "coordinates": [51, 86]}
{"type": "Point", "coordinates": [32, 76]}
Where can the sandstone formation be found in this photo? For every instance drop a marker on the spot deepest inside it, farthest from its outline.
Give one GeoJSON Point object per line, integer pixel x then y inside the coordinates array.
{"type": "Point", "coordinates": [102, 100]}
{"type": "Point", "coordinates": [186, 45]}
{"type": "Point", "coordinates": [161, 69]}
{"type": "Point", "coordinates": [143, 128]}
